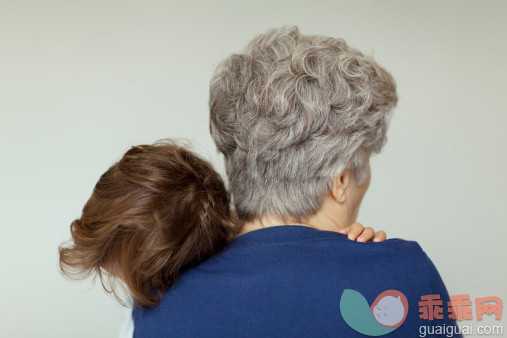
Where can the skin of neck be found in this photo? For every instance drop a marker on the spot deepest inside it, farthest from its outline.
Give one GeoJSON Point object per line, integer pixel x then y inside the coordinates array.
{"type": "Point", "coordinates": [339, 208]}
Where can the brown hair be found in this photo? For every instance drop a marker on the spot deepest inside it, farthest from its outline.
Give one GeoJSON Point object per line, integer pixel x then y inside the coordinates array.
{"type": "Point", "coordinates": [154, 213]}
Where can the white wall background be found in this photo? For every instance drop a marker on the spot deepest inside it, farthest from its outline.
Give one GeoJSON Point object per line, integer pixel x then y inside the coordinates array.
{"type": "Point", "coordinates": [82, 81]}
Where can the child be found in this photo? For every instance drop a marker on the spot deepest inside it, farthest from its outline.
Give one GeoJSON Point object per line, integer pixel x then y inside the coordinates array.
{"type": "Point", "coordinates": [156, 212]}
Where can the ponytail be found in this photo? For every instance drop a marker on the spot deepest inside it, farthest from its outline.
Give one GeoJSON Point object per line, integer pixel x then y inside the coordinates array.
{"type": "Point", "coordinates": [153, 214]}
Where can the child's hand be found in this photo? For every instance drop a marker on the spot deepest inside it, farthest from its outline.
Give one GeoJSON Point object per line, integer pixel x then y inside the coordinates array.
{"type": "Point", "coordinates": [358, 232]}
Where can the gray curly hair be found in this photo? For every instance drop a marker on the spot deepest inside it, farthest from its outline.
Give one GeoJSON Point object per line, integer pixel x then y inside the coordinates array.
{"type": "Point", "coordinates": [290, 113]}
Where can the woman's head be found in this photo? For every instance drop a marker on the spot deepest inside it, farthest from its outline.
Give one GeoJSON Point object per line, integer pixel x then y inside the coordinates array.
{"type": "Point", "coordinates": [290, 114]}
{"type": "Point", "coordinates": [157, 211]}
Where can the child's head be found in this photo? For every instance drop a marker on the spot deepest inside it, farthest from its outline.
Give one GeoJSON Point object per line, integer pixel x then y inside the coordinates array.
{"type": "Point", "coordinates": [157, 211]}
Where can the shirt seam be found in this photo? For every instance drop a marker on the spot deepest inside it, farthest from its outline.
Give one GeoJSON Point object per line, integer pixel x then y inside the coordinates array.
{"type": "Point", "coordinates": [307, 240]}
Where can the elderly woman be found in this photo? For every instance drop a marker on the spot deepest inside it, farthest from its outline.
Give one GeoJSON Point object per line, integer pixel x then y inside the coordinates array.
{"type": "Point", "coordinates": [297, 118]}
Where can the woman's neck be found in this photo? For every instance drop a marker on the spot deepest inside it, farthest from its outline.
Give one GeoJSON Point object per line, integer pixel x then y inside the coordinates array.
{"type": "Point", "coordinates": [325, 219]}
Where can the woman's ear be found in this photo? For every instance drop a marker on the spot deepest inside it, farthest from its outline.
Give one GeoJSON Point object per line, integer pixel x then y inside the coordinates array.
{"type": "Point", "coordinates": [340, 185]}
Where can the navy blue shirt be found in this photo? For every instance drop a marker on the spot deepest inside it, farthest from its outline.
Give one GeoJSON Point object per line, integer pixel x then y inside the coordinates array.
{"type": "Point", "coordinates": [287, 281]}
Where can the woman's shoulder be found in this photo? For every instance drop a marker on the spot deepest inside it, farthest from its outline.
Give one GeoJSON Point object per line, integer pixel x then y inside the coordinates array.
{"type": "Point", "coordinates": [301, 239]}
{"type": "Point", "coordinates": [401, 246]}
{"type": "Point", "coordinates": [394, 246]}
{"type": "Point", "coordinates": [407, 248]}
{"type": "Point", "coordinates": [395, 252]}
